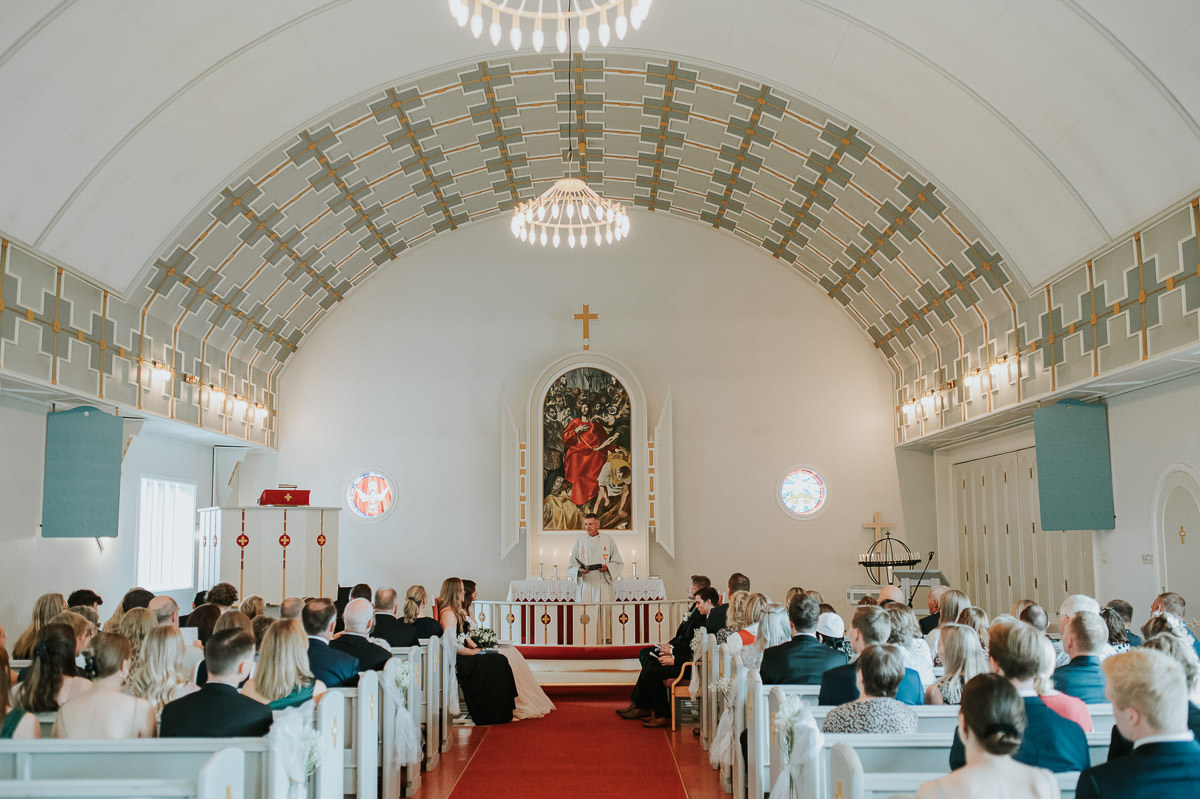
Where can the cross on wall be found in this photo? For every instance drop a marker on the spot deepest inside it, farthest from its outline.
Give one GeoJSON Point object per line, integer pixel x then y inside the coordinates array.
{"type": "Point", "coordinates": [586, 317]}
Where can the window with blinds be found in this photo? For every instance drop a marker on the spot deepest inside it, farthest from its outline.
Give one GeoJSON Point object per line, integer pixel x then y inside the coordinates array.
{"type": "Point", "coordinates": [166, 526]}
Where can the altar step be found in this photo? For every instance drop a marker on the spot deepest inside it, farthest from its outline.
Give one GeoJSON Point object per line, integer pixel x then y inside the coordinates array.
{"type": "Point", "coordinates": [583, 665]}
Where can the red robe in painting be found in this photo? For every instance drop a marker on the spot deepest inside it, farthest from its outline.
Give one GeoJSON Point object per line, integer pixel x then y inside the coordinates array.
{"type": "Point", "coordinates": [582, 464]}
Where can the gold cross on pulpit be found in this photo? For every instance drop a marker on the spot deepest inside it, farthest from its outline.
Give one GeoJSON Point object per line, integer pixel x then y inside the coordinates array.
{"type": "Point", "coordinates": [1182, 534]}
{"type": "Point", "coordinates": [586, 317]}
{"type": "Point", "coordinates": [879, 526]}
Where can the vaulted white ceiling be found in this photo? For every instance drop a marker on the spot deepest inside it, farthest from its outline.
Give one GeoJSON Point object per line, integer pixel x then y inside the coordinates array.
{"type": "Point", "coordinates": [1047, 127]}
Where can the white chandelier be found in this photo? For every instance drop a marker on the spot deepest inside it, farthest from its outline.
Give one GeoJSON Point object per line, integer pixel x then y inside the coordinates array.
{"type": "Point", "coordinates": [550, 13]}
{"type": "Point", "coordinates": [570, 210]}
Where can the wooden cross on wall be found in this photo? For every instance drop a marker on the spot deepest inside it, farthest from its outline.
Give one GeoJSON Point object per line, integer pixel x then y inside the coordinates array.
{"type": "Point", "coordinates": [879, 526]}
{"type": "Point", "coordinates": [586, 317]}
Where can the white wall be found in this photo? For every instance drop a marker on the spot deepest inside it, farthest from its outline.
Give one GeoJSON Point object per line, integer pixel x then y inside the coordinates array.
{"type": "Point", "coordinates": [766, 372]}
{"type": "Point", "coordinates": [32, 565]}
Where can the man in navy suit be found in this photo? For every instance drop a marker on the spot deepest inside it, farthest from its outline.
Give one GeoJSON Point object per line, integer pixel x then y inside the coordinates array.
{"type": "Point", "coordinates": [868, 626]}
{"type": "Point", "coordinates": [218, 710]}
{"type": "Point", "coordinates": [1173, 604]}
{"type": "Point", "coordinates": [1149, 698]}
{"type": "Point", "coordinates": [357, 618]}
{"type": "Point", "coordinates": [1084, 636]}
{"type": "Point", "coordinates": [328, 665]}
{"type": "Point", "coordinates": [802, 660]}
{"type": "Point", "coordinates": [1050, 741]}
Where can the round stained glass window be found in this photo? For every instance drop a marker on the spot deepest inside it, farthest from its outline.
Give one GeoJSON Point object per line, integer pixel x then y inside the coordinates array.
{"type": "Point", "coordinates": [802, 493]}
{"type": "Point", "coordinates": [370, 495]}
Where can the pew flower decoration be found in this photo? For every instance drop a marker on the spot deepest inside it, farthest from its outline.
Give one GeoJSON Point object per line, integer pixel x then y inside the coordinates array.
{"type": "Point", "coordinates": [403, 672]}
{"type": "Point", "coordinates": [294, 741]}
{"type": "Point", "coordinates": [799, 741]}
{"type": "Point", "coordinates": [485, 638]}
{"type": "Point", "coordinates": [722, 689]}
{"type": "Point", "coordinates": [698, 645]}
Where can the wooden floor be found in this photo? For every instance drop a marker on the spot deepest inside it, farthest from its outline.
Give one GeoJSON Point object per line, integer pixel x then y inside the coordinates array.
{"type": "Point", "coordinates": [700, 780]}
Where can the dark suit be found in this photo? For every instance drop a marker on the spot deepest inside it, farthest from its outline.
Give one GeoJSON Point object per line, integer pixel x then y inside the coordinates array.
{"type": "Point", "coordinates": [215, 711]}
{"type": "Point", "coordinates": [1082, 678]}
{"type": "Point", "coordinates": [330, 666]}
{"type": "Point", "coordinates": [929, 622]}
{"type": "Point", "coordinates": [649, 692]}
{"type": "Point", "coordinates": [717, 618]}
{"type": "Point", "coordinates": [1050, 741]}
{"type": "Point", "coordinates": [838, 686]}
{"type": "Point", "coordinates": [388, 628]}
{"type": "Point", "coordinates": [371, 657]}
{"type": "Point", "coordinates": [1168, 770]}
{"type": "Point", "coordinates": [1119, 745]}
{"type": "Point", "coordinates": [800, 661]}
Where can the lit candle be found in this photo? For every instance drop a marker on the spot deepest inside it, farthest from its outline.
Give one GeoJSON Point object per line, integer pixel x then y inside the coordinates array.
{"type": "Point", "coordinates": [540, 553]}
{"type": "Point", "coordinates": [635, 554]}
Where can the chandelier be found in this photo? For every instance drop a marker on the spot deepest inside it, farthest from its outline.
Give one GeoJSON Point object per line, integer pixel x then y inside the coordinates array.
{"type": "Point", "coordinates": [550, 14]}
{"type": "Point", "coordinates": [570, 209]}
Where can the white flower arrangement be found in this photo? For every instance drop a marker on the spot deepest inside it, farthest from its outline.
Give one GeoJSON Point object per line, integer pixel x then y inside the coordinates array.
{"type": "Point", "coordinates": [785, 721]}
{"type": "Point", "coordinates": [402, 675]}
{"type": "Point", "coordinates": [483, 637]}
{"type": "Point", "coordinates": [698, 645]}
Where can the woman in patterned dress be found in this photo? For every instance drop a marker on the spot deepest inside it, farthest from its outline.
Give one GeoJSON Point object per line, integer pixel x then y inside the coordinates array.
{"type": "Point", "coordinates": [879, 670]}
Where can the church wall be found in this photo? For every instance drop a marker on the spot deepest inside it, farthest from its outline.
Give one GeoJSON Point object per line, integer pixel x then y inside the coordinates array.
{"type": "Point", "coordinates": [32, 565]}
{"type": "Point", "coordinates": [765, 373]}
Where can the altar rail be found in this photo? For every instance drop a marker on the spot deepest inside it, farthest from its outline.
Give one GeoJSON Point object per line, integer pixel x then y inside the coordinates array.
{"type": "Point", "coordinates": [582, 623]}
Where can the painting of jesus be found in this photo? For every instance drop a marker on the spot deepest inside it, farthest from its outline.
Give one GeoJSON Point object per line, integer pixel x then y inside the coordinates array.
{"type": "Point", "coordinates": [586, 461]}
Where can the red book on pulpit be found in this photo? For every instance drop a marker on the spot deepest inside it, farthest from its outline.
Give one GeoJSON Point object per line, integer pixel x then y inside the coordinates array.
{"type": "Point", "coordinates": [283, 496]}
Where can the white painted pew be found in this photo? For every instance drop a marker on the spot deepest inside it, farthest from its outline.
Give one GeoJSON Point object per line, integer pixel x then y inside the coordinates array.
{"type": "Point", "coordinates": [406, 776]}
{"type": "Point", "coordinates": [702, 674]}
{"type": "Point", "coordinates": [221, 777]}
{"type": "Point", "coordinates": [360, 745]}
{"type": "Point", "coordinates": [331, 727]}
{"type": "Point", "coordinates": [144, 762]}
{"type": "Point", "coordinates": [739, 726]}
{"type": "Point", "coordinates": [726, 663]}
{"type": "Point", "coordinates": [759, 733]}
{"type": "Point", "coordinates": [426, 668]}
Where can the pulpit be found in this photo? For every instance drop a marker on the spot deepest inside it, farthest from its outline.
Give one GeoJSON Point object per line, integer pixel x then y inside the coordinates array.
{"type": "Point", "coordinates": [271, 551]}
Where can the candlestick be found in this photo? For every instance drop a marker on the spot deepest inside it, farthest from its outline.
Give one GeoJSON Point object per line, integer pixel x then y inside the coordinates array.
{"type": "Point", "coordinates": [556, 571]}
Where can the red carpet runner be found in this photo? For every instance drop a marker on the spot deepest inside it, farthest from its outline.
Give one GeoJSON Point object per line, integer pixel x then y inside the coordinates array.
{"type": "Point", "coordinates": [581, 749]}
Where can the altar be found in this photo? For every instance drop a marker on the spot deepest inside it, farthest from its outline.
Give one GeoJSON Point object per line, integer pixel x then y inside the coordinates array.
{"type": "Point", "coordinates": [563, 590]}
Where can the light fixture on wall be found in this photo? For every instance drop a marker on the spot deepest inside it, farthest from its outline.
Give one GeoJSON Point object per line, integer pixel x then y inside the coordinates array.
{"type": "Point", "coordinates": [160, 369]}
{"type": "Point", "coordinates": [541, 15]}
{"type": "Point", "coordinates": [570, 210]}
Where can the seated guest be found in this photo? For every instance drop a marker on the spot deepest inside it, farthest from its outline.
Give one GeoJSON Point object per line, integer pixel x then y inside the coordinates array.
{"type": "Point", "coordinates": [1149, 699]}
{"type": "Point", "coordinates": [281, 676]}
{"type": "Point", "coordinates": [649, 700]}
{"type": "Point", "coordinates": [106, 711]}
{"type": "Point", "coordinates": [991, 724]}
{"type": "Point", "coordinates": [1084, 637]}
{"type": "Point", "coordinates": [931, 621]}
{"type": "Point", "coordinates": [217, 710]}
{"type": "Point", "coordinates": [879, 670]}
{"type": "Point", "coordinates": [52, 679]}
{"type": "Point", "coordinates": [45, 609]}
{"type": "Point", "coordinates": [328, 665]}
{"type": "Point", "coordinates": [223, 595]}
{"type": "Point", "coordinates": [1069, 607]}
{"type": "Point", "coordinates": [162, 674]}
{"type": "Point", "coordinates": [14, 722]}
{"type": "Point", "coordinates": [869, 626]}
{"type": "Point", "coordinates": [742, 635]}
{"type": "Point", "coordinates": [261, 624]}
{"type": "Point", "coordinates": [964, 658]}
{"type": "Point", "coordinates": [204, 619]}
{"type": "Point", "coordinates": [734, 616]}
{"type": "Point", "coordinates": [231, 620]}
{"type": "Point", "coordinates": [803, 659]}
{"type": "Point", "coordinates": [134, 598]}
{"type": "Point", "coordinates": [415, 625]}
{"type": "Point", "coordinates": [977, 620]}
{"type": "Point", "coordinates": [1019, 606]}
{"type": "Point", "coordinates": [1125, 611]}
{"type": "Point", "coordinates": [952, 603]}
{"type": "Point", "coordinates": [773, 629]}
{"type": "Point", "coordinates": [135, 626]}
{"type": "Point", "coordinates": [85, 597]}
{"type": "Point", "coordinates": [831, 631]}
{"type": "Point", "coordinates": [1065, 705]}
{"type": "Point", "coordinates": [386, 623]}
{"type": "Point", "coordinates": [358, 617]}
{"type": "Point", "coordinates": [907, 635]}
{"type": "Point", "coordinates": [1050, 741]}
{"type": "Point", "coordinates": [1180, 650]}
{"type": "Point", "coordinates": [253, 607]}
{"type": "Point", "coordinates": [81, 627]}
{"type": "Point", "coordinates": [889, 594]}
{"type": "Point", "coordinates": [716, 620]}
{"type": "Point", "coordinates": [1172, 604]}
{"type": "Point", "coordinates": [88, 612]}
{"type": "Point", "coordinates": [649, 657]}
{"type": "Point", "coordinates": [201, 598]}
{"type": "Point", "coordinates": [291, 607]}
{"type": "Point", "coordinates": [1118, 638]}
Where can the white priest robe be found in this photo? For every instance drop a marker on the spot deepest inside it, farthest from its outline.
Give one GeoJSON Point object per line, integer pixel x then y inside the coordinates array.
{"type": "Point", "coordinates": [595, 586]}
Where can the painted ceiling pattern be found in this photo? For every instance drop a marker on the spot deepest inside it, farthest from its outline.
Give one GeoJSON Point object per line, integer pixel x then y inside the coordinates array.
{"type": "Point", "coordinates": [284, 242]}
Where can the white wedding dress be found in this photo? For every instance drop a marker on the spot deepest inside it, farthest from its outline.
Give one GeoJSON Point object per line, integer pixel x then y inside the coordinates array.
{"type": "Point", "coordinates": [532, 702]}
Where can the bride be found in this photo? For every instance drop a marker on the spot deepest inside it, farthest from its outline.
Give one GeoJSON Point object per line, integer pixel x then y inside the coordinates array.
{"type": "Point", "coordinates": [532, 702]}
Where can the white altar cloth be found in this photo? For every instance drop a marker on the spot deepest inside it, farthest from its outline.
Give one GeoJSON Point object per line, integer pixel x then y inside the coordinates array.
{"type": "Point", "coordinates": [562, 590]}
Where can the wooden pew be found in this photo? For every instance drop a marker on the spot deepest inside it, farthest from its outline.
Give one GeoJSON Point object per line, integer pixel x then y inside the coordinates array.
{"type": "Point", "coordinates": [221, 777]}
{"type": "Point", "coordinates": [141, 761]}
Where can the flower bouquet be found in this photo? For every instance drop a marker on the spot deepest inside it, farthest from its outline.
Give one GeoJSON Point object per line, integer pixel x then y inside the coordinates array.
{"type": "Point", "coordinates": [485, 638]}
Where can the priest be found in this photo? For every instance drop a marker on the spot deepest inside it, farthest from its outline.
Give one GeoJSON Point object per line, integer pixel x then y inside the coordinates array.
{"type": "Point", "coordinates": [595, 563]}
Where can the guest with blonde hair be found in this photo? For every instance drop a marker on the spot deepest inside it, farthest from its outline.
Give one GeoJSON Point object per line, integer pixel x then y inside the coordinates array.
{"type": "Point", "coordinates": [1065, 705]}
{"type": "Point", "coordinates": [135, 625]}
{"type": "Point", "coordinates": [415, 625]}
{"type": "Point", "coordinates": [105, 711]}
{"type": "Point", "coordinates": [253, 606]}
{"type": "Point", "coordinates": [735, 614]}
{"type": "Point", "coordinates": [749, 614]}
{"type": "Point", "coordinates": [134, 598]}
{"type": "Point", "coordinates": [161, 674]}
{"type": "Point", "coordinates": [964, 658]}
{"type": "Point", "coordinates": [45, 609]}
{"type": "Point", "coordinates": [1181, 651]}
{"type": "Point", "coordinates": [906, 634]}
{"type": "Point", "coordinates": [977, 620]}
{"type": "Point", "coordinates": [234, 620]}
{"type": "Point", "coordinates": [773, 629]}
{"type": "Point", "coordinates": [282, 677]}
{"type": "Point", "coordinates": [83, 629]}
{"type": "Point", "coordinates": [951, 603]}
